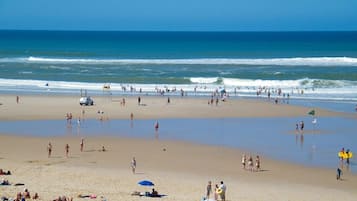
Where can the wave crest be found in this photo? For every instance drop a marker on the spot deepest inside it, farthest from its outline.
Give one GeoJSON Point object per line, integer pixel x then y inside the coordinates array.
{"type": "Point", "coordinates": [297, 61]}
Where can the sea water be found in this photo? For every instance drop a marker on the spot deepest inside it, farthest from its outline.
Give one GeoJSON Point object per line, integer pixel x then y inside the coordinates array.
{"type": "Point", "coordinates": [305, 65]}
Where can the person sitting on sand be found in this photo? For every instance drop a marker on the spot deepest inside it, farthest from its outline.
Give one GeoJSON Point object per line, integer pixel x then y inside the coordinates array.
{"type": "Point", "coordinates": [2, 172]}
{"type": "Point", "coordinates": [4, 182]}
{"type": "Point", "coordinates": [35, 196]}
{"type": "Point", "coordinates": [154, 193]}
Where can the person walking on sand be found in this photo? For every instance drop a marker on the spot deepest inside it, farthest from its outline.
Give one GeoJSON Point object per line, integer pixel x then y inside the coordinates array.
{"type": "Point", "coordinates": [339, 173]}
{"type": "Point", "coordinates": [17, 99]}
{"type": "Point", "coordinates": [257, 163]}
{"type": "Point", "coordinates": [209, 190]}
{"type": "Point", "coordinates": [67, 150]}
{"type": "Point", "coordinates": [133, 165]}
{"type": "Point", "coordinates": [244, 161]}
{"type": "Point", "coordinates": [139, 100]}
{"type": "Point", "coordinates": [82, 144]}
{"type": "Point", "coordinates": [49, 149]}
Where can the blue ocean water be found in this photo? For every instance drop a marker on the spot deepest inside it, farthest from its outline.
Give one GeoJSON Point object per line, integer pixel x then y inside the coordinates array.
{"type": "Point", "coordinates": [307, 65]}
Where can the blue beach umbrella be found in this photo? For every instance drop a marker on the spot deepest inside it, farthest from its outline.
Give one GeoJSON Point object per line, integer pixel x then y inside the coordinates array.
{"type": "Point", "coordinates": [146, 183]}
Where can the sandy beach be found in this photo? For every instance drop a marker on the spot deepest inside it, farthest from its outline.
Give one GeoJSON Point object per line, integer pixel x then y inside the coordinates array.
{"type": "Point", "coordinates": [55, 107]}
{"type": "Point", "coordinates": [180, 170]}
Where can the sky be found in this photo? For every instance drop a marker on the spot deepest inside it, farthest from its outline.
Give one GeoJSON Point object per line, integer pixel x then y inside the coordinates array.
{"type": "Point", "coordinates": [179, 15]}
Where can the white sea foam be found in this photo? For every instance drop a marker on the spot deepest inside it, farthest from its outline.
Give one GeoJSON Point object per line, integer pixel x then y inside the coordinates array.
{"type": "Point", "coordinates": [297, 61]}
{"type": "Point", "coordinates": [344, 90]}
{"type": "Point", "coordinates": [204, 80]}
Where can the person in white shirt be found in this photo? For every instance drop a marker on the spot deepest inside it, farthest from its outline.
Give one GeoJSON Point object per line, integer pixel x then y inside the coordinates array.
{"type": "Point", "coordinates": [223, 188]}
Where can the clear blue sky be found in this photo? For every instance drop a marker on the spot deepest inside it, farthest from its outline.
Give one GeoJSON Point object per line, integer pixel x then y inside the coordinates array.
{"type": "Point", "coordinates": [179, 15]}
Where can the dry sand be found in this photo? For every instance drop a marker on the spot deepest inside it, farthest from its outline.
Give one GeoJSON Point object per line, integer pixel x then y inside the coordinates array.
{"type": "Point", "coordinates": [181, 172]}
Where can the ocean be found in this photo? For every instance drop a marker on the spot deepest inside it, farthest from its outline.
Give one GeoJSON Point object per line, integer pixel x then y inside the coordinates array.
{"type": "Point", "coordinates": [305, 65]}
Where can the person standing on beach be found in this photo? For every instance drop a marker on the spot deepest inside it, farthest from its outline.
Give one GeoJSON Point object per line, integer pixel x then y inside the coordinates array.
{"type": "Point", "coordinates": [302, 125]}
{"type": "Point", "coordinates": [250, 163]}
{"type": "Point", "coordinates": [339, 173]}
{"type": "Point", "coordinates": [17, 99]}
{"type": "Point", "coordinates": [209, 190]}
{"type": "Point", "coordinates": [133, 165]}
{"type": "Point", "coordinates": [82, 144]}
{"type": "Point", "coordinates": [257, 163]}
{"type": "Point", "coordinates": [157, 126]}
{"type": "Point", "coordinates": [223, 193]}
{"type": "Point", "coordinates": [139, 100]}
{"type": "Point", "coordinates": [67, 150]}
{"type": "Point", "coordinates": [244, 160]}
{"type": "Point", "coordinates": [49, 149]}
{"type": "Point", "coordinates": [131, 116]}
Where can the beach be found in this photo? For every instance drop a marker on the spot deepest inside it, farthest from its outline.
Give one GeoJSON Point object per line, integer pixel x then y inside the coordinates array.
{"type": "Point", "coordinates": [179, 169]}
{"type": "Point", "coordinates": [32, 107]}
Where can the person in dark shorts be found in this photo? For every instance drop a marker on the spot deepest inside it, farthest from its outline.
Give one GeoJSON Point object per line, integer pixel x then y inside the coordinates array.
{"type": "Point", "coordinates": [209, 189]}
{"type": "Point", "coordinates": [339, 173]}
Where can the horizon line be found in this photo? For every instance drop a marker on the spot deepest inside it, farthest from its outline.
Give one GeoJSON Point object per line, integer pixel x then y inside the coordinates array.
{"type": "Point", "coordinates": [207, 31]}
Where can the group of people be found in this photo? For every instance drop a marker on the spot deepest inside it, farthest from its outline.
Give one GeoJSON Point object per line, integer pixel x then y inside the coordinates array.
{"type": "Point", "coordinates": [3, 172]}
{"type": "Point", "coordinates": [219, 191]}
{"type": "Point", "coordinates": [248, 163]}
{"type": "Point", "coordinates": [67, 147]}
{"type": "Point", "coordinates": [343, 155]}
{"type": "Point", "coordinates": [299, 127]}
{"type": "Point", "coordinates": [22, 196]}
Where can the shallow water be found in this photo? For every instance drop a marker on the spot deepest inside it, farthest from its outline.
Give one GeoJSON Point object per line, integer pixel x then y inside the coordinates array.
{"type": "Point", "coordinates": [272, 137]}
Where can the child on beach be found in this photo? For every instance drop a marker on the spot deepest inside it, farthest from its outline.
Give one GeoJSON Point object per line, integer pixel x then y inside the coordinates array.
{"type": "Point", "coordinates": [215, 192]}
